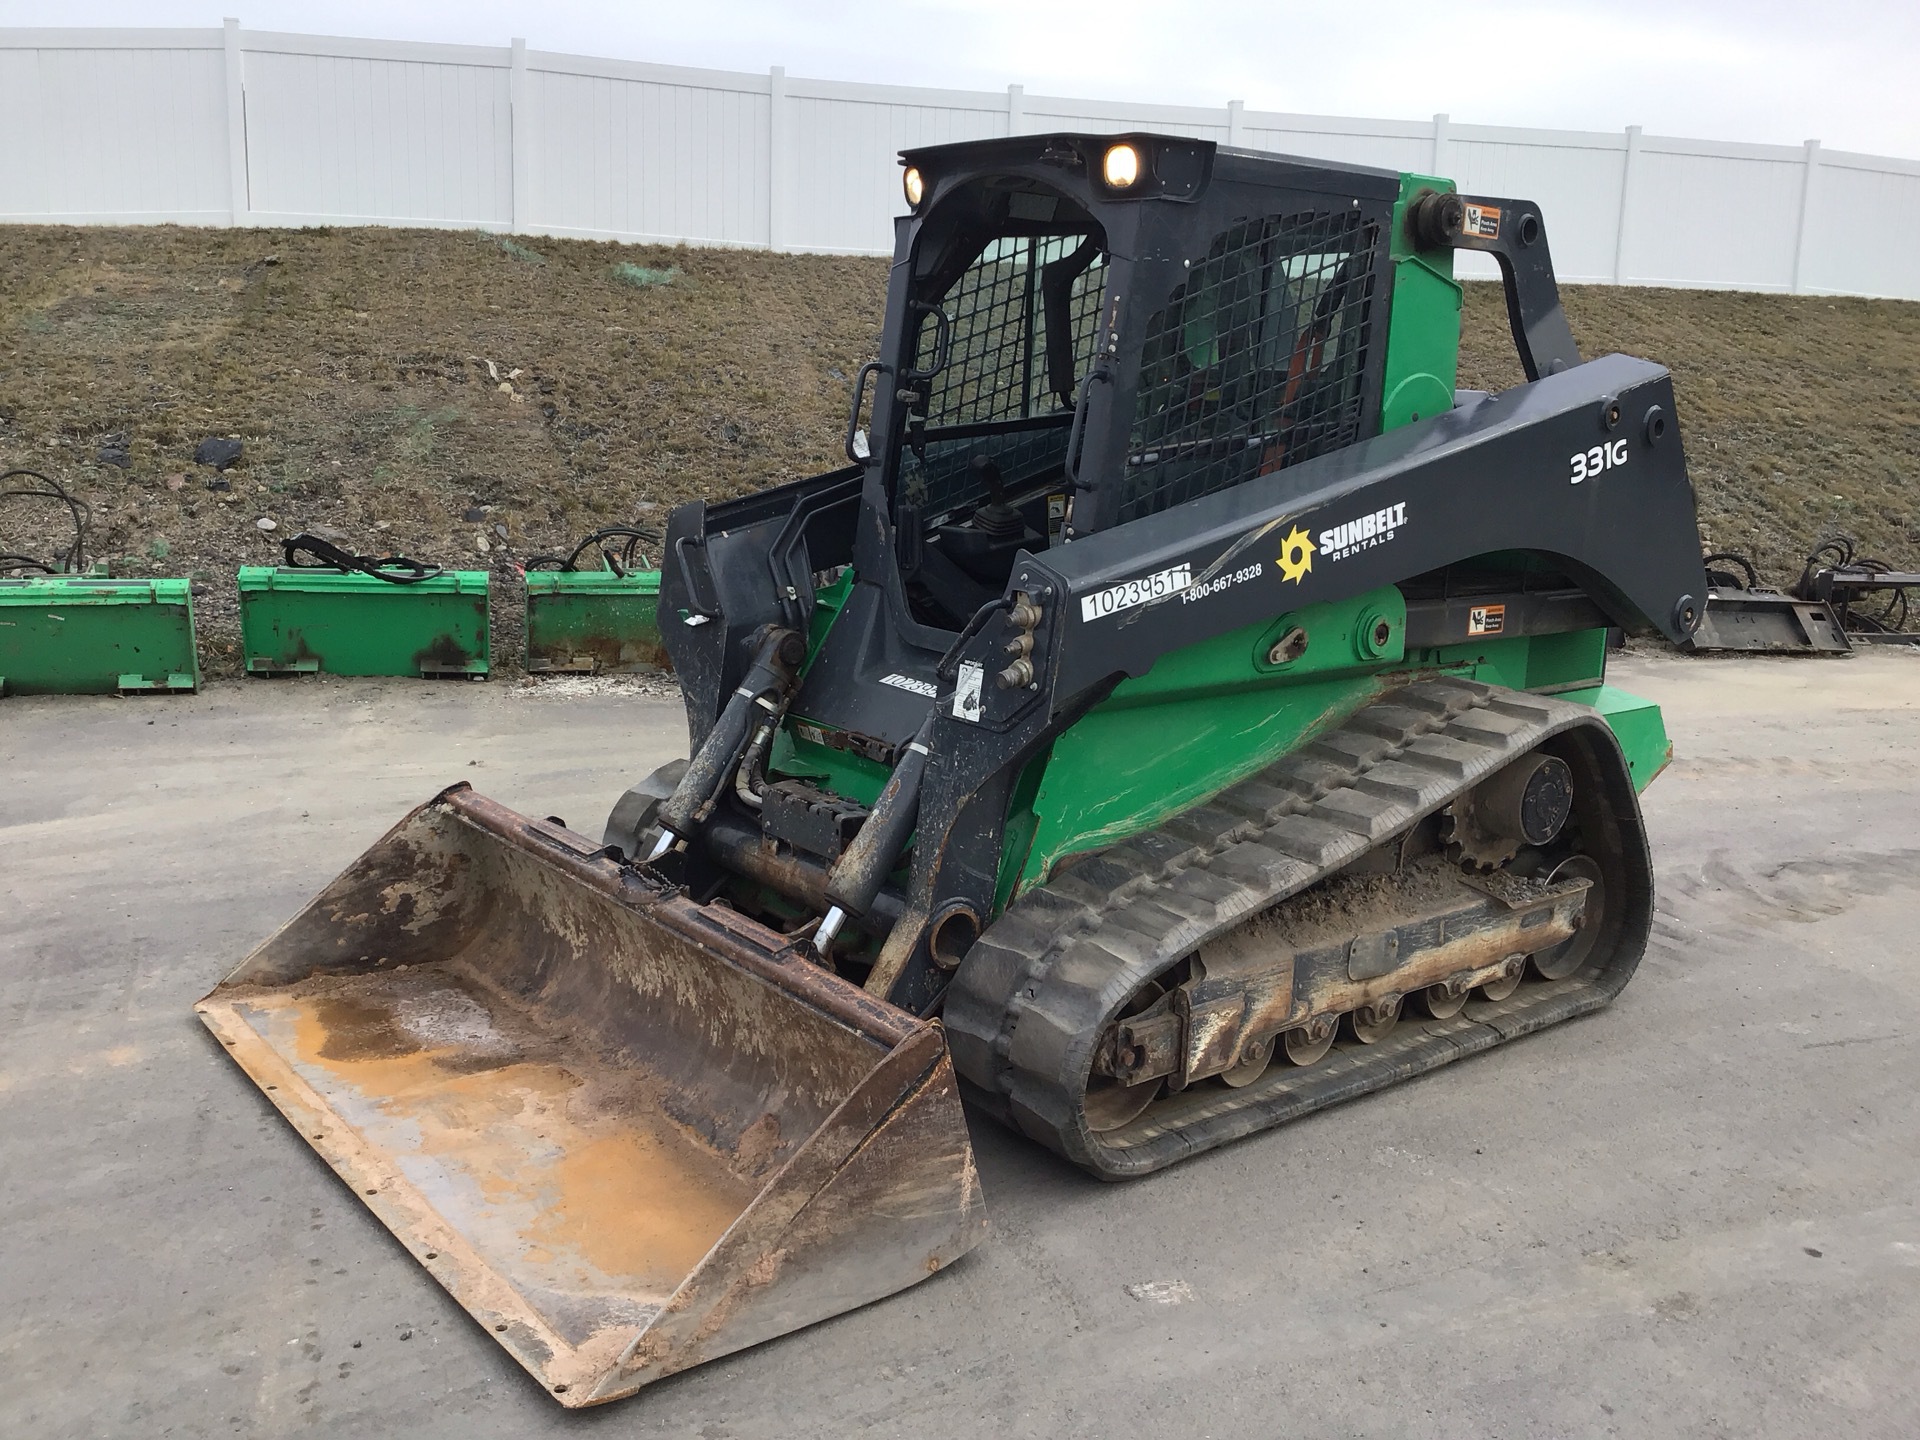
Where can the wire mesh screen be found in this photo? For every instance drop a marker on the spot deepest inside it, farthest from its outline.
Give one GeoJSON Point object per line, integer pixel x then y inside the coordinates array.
{"type": "Point", "coordinates": [1007, 387]}
{"type": "Point", "coordinates": [1258, 361]}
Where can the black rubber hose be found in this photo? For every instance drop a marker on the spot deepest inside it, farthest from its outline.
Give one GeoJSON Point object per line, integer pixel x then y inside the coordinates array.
{"type": "Point", "coordinates": [1733, 558]}
{"type": "Point", "coordinates": [394, 569]}
{"type": "Point", "coordinates": [74, 558]}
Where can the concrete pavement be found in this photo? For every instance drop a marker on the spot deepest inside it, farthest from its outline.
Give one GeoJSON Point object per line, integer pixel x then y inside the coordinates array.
{"type": "Point", "coordinates": [1695, 1214]}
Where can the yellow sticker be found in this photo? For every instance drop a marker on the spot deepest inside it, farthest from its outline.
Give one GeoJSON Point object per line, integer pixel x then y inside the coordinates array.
{"type": "Point", "coordinates": [1296, 556]}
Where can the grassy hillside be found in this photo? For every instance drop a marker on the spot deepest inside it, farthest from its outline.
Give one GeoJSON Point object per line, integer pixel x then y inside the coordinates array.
{"type": "Point", "coordinates": [390, 383]}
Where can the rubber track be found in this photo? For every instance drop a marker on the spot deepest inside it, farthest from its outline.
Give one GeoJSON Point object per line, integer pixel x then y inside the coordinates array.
{"type": "Point", "coordinates": [1033, 997]}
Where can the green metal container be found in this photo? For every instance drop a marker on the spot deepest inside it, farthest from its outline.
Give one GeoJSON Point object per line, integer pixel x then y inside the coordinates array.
{"type": "Point", "coordinates": [89, 635]}
{"type": "Point", "coordinates": [295, 621]}
{"type": "Point", "coordinates": [593, 622]}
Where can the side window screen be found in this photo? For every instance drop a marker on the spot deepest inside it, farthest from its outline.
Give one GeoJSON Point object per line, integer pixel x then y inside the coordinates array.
{"type": "Point", "coordinates": [1021, 322]}
{"type": "Point", "coordinates": [1258, 361]}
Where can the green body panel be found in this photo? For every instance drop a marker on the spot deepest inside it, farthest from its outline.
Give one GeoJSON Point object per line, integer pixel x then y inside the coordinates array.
{"type": "Point", "coordinates": [88, 635]}
{"type": "Point", "coordinates": [594, 622]}
{"type": "Point", "coordinates": [1211, 715]}
{"type": "Point", "coordinates": [1423, 334]}
{"type": "Point", "coordinates": [828, 601]}
{"type": "Point", "coordinates": [1636, 724]}
{"type": "Point", "coordinates": [797, 755]}
{"type": "Point", "coordinates": [295, 621]}
{"type": "Point", "coordinates": [1201, 719]}
{"type": "Point", "coordinates": [800, 750]}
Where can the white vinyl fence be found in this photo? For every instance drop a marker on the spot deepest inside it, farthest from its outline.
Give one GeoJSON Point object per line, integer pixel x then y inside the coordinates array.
{"type": "Point", "coordinates": [241, 127]}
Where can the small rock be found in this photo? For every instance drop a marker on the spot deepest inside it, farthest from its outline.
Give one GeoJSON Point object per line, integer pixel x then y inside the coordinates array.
{"type": "Point", "coordinates": [270, 260]}
{"type": "Point", "coordinates": [643, 506]}
{"type": "Point", "coordinates": [474, 514]}
{"type": "Point", "coordinates": [263, 523]}
{"type": "Point", "coordinates": [176, 482]}
{"type": "Point", "coordinates": [1162, 1292]}
{"type": "Point", "coordinates": [501, 531]}
{"type": "Point", "coordinates": [220, 482]}
{"type": "Point", "coordinates": [217, 451]}
{"type": "Point", "coordinates": [381, 525]}
{"type": "Point", "coordinates": [480, 544]}
{"type": "Point", "coordinates": [115, 455]}
{"type": "Point", "coordinates": [506, 388]}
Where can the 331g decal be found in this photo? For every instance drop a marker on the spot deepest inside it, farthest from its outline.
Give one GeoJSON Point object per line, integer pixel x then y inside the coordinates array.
{"type": "Point", "coordinates": [1589, 463]}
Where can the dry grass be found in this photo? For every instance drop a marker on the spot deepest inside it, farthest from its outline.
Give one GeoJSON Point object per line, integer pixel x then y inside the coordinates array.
{"type": "Point", "coordinates": [353, 364]}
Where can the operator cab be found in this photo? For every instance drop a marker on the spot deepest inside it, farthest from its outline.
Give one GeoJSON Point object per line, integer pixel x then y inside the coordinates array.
{"type": "Point", "coordinates": [1005, 297]}
{"type": "Point", "coordinates": [1069, 358]}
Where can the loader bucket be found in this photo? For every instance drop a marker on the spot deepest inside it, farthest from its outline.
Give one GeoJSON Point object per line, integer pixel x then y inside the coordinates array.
{"type": "Point", "coordinates": [628, 1133]}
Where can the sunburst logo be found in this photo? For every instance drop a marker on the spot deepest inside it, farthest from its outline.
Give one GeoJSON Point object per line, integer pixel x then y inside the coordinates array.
{"type": "Point", "coordinates": [1296, 556]}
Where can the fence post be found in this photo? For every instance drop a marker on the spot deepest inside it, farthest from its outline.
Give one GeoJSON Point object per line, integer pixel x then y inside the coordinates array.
{"type": "Point", "coordinates": [520, 138]}
{"type": "Point", "coordinates": [1235, 110]}
{"type": "Point", "coordinates": [777, 158]}
{"type": "Point", "coordinates": [1626, 203]}
{"type": "Point", "coordinates": [239, 202]}
{"type": "Point", "coordinates": [1440, 124]}
{"type": "Point", "coordinates": [1016, 109]}
{"type": "Point", "coordinates": [1807, 177]}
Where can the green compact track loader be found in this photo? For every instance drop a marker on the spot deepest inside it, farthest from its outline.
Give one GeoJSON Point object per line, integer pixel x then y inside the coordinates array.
{"type": "Point", "coordinates": [1185, 710]}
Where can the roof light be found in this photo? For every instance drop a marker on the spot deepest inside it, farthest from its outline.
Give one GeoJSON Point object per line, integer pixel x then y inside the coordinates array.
{"type": "Point", "coordinates": [915, 187]}
{"type": "Point", "coordinates": [1122, 166]}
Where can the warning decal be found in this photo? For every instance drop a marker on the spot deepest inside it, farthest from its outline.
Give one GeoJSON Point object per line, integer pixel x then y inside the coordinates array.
{"type": "Point", "coordinates": [1486, 619]}
{"type": "Point", "coordinates": [1482, 222]}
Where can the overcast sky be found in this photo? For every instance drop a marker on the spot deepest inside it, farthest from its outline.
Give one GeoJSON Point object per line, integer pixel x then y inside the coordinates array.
{"type": "Point", "coordinates": [1845, 72]}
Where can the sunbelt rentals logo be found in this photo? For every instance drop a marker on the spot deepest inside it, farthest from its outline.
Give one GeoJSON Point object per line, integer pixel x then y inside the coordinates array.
{"type": "Point", "coordinates": [1363, 534]}
{"type": "Point", "coordinates": [1299, 548]}
{"type": "Point", "coordinates": [1296, 556]}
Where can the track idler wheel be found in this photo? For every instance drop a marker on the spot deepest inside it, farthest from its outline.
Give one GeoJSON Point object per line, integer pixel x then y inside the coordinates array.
{"type": "Point", "coordinates": [1373, 1023]}
{"type": "Point", "coordinates": [1251, 1065]}
{"type": "Point", "coordinates": [1570, 954]}
{"type": "Point", "coordinates": [1507, 981]}
{"type": "Point", "coordinates": [1110, 1103]}
{"type": "Point", "coordinates": [1308, 1044]}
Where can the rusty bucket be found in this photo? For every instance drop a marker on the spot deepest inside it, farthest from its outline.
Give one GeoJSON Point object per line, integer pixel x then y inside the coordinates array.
{"type": "Point", "coordinates": [626, 1132]}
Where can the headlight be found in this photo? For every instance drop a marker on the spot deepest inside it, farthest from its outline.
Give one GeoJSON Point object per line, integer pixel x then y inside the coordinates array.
{"type": "Point", "coordinates": [1122, 166]}
{"type": "Point", "coordinates": [915, 187]}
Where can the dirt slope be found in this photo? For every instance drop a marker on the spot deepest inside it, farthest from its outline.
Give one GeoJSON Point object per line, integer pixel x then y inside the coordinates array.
{"type": "Point", "coordinates": [354, 366]}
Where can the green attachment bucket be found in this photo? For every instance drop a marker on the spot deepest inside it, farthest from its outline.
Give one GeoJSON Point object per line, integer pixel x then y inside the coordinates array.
{"type": "Point", "coordinates": [89, 635]}
{"type": "Point", "coordinates": [593, 622]}
{"type": "Point", "coordinates": [297, 621]}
